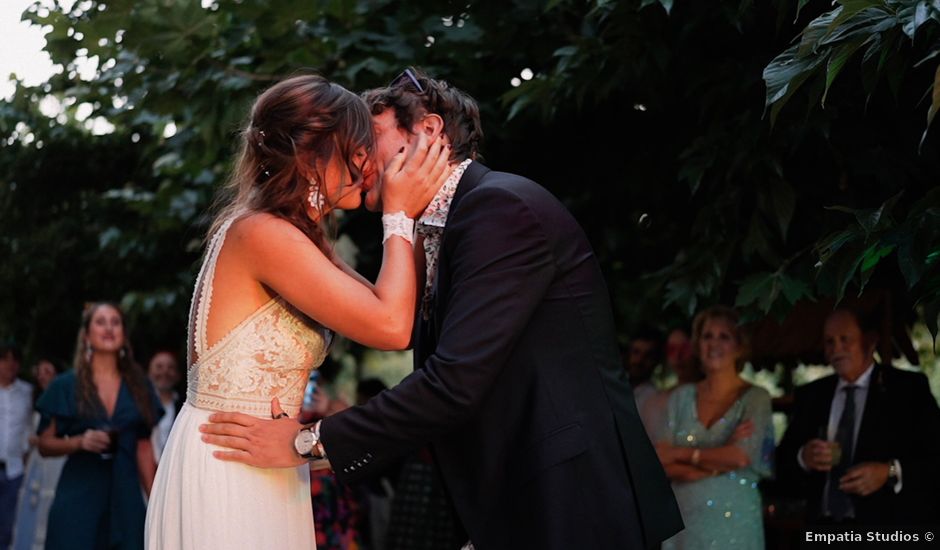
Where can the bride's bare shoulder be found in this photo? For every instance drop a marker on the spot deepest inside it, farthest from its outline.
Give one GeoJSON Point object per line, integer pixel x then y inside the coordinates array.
{"type": "Point", "coordinates": [261, 229]}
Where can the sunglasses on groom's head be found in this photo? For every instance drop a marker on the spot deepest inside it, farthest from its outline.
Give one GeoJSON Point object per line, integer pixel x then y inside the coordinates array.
{"type": "Point", "coordinates": [407, 76]}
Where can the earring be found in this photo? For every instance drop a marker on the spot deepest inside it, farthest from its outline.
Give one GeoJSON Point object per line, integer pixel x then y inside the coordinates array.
{"type": "Point", "coordinates": [88, 352]}
{"type": "Point", "coordinates": [122, 354]}
{"type": "Point", "coordinates": [314, 198]}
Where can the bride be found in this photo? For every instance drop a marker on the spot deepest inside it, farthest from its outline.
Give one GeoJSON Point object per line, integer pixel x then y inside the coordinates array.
{"type": "Point", "coordinates": [268, 297]}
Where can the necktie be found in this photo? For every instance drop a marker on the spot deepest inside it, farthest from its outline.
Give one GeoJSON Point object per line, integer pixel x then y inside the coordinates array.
{"type": "Point", "coordinates": [840, 504]}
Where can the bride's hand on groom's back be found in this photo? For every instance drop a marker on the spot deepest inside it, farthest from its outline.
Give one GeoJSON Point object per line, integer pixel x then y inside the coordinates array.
{"type": "Point", "coordinates": [254, 441]}
{"type": "Point", "coordinates": [413, 177]}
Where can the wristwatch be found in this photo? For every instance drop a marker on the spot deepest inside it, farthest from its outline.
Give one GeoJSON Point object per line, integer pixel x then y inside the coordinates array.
{"type": "Point", "coordinates": [307, 443]}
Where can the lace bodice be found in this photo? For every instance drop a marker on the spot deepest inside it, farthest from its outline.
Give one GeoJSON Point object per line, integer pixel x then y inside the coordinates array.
{"type": "Point", "coordinates": [269, 354]}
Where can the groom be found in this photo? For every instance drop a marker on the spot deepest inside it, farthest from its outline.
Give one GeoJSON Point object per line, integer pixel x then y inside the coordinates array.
{"type": "Point", "coordinates": [518, 386]}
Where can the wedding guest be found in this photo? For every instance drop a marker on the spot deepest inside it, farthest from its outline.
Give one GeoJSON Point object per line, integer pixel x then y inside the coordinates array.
{"type": "Point", "coordinates": [41, 477]}
{"type": "Point", "coordinates": [719, 442]}
{"type": "Point", "coordinates": [16, 399]}
{"type": "Point", "coordinates": [100, 414]}
{"type": "Point", "coordinates": [863, 444]}
{"type": "Point", "coordinates": [681, 367]}
{"type": "Point", "coordinates": [643, 356]}
{"type": "Point", "coordinates": [163, 370]}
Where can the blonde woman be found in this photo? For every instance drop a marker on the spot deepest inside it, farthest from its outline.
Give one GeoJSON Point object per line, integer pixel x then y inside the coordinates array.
{"type": "Point", "coordinates": [718, 442]}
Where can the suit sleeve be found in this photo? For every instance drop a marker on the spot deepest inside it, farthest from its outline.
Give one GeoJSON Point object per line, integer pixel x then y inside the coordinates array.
{"type": "Point", "coordinates": [501, 266]}
{"type": "Point", "coordinates": [919, 468]}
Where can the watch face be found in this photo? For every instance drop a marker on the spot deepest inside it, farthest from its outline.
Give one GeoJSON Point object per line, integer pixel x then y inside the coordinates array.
{"type": "Point", "coordinates": [304, 442]}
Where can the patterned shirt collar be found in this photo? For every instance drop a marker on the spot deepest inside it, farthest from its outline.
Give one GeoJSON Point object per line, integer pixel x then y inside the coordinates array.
{"type": "Point", "coordinates": [431, 228]}
{"type": "Point", "coordinates": [436, 212]}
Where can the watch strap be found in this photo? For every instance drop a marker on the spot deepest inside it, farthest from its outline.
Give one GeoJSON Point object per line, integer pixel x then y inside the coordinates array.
{"type": "Point", "coordinates": [316, 450]}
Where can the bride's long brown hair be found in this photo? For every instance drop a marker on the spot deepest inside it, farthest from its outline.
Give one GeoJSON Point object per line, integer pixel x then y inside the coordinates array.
{"type": "Point", "coordinates": [295, 128]}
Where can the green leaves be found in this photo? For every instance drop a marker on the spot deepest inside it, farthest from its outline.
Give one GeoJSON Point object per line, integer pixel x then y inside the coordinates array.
{"type": "Point", "coordinates": [934, 103]}
{"type": "Point", "coordinates": [694, 280]}
{"type": "Point", "coordinates": [784, 76]}
{"type": "Point", "coordinates": [833, 38]}
{"type": "Point", "coordinates": [633, 109]}
{"type": "Point", "coordinates": [765, 289]}
{"type": "Point", "coordinates": [837, 61]}
{"type": "Point", "coordinates": [666, 4]}
{"type": "Point", "coordinates": [876, 234]}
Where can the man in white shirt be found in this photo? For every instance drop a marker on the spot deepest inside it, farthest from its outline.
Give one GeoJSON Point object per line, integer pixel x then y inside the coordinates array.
{"type": "Point", "coordinates": [16, 400]}
{"type": "Point", "coordinates": [864, 443]}
{"type": "Point", "coordinates": [164, 372]}
{"type": "Point", "coordinates": [641, 359]}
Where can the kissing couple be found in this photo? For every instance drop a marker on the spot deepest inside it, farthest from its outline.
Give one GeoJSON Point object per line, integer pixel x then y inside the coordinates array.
{"type": "Point", "coordinates": [518, 388]}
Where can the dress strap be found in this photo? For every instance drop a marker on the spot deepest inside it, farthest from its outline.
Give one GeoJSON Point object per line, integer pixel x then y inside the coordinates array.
{"type": "Point", "coordinates": [202, 296]}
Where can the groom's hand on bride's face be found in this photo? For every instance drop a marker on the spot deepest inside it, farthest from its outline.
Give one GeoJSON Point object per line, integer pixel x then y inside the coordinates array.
{"type": "Point", "coordinates": [254, 441]}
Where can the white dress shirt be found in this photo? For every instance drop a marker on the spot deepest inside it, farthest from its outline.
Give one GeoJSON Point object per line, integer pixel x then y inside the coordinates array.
{"type": "Point", "coordinates": [642, 392]}
{"type": "Point", "coordinates": [161, 432]}
{"type": "Point", "coordinates": [838, 404]}
{"type": "Point", "coordinates": [16, 408]}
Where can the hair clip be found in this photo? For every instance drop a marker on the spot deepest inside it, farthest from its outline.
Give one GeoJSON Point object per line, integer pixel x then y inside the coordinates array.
{"type": "Point", "coordinates": [261, 140]}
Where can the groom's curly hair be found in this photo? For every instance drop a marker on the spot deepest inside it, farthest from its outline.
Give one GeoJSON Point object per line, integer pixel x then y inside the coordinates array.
{"type": "Point", "coordinates": [459, 111]}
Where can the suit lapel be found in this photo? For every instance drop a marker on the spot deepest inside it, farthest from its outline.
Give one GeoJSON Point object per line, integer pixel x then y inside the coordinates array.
{"type": "Point", "coordinates": [873, 408]}
{"type": "Point", "coordinates": [471, 178]}
{"type": "Point", "coordinates": [427, 330]}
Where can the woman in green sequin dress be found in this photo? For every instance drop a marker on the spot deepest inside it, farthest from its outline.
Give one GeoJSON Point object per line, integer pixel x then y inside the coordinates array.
{"type": "Point", "coordinates": [718, 443]}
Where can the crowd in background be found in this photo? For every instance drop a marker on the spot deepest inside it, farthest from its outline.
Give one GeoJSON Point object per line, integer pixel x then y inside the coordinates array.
{"type": "Point", "coordinates": [860, 447]}
{"type": "Point", "coordinates": [78, 450]}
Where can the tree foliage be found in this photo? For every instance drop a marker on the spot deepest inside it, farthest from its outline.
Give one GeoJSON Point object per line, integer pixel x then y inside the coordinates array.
{"type": "Point", "coordinates": [895, 38]}
{"type": "Point", "coordinates": [646, 117]}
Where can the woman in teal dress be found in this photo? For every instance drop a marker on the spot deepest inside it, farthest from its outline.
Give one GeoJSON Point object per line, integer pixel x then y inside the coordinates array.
{"type": "Point", "coordinates": [718, 443]}
{"type": "Point", "coordinates": [100, 415]}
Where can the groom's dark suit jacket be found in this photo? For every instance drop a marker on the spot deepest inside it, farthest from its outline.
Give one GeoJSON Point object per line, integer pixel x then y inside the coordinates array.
{"type": "Point", "coordinates": [519, 386]}
{"type": "Point", "coordinates": [901, 421]}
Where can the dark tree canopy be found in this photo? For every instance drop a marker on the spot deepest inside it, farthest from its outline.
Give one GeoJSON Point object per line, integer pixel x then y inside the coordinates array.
{"type": "Point", "coordinates": [647, 118]}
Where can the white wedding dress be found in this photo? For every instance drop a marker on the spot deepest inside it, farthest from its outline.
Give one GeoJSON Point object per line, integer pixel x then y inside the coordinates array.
{"type": "Point", "coordinates": [199, 502]}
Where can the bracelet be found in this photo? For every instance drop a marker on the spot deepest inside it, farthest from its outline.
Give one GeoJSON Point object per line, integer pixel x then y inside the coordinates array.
{"type": "Point", "coordinates": [398, 224]}
{"type": "Point", "coordinates": [696, 455]}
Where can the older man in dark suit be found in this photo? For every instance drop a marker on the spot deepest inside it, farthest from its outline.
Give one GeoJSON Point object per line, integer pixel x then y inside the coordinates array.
{"type": "Point", "coordinates": [864, 443]}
